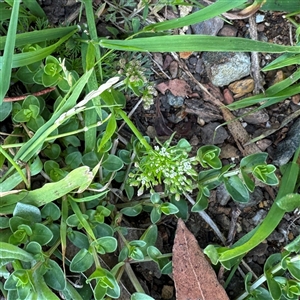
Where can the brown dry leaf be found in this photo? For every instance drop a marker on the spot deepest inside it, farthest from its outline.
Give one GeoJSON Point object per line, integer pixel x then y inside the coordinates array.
{"type": "Point", "coordinates": [193, 275]}
{"type": "Point", "coordinates": [177, 87]}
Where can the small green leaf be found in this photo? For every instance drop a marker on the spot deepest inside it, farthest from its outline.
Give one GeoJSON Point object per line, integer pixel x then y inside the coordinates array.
{"type": "Point", "coordinates": [41, 234]}
{"type": "Point", "coordinates": [77, 238]}
{"type": "Point", "coordinates": [236, 189]}
{"type": "Point", "coordinates": [253, 160]}
{"type": "Point", "coordinates": [5, 110]}
{"type": "Point", "coordinates": [108, 243]}
{"type": "Point", "coordinates": [55, 277]}
{"type": "Point", "coordinates": [155, 198]}
{"type": "Point", "coordinates": [209, 156]}
{"type": "Point", "coordinates": [28, 212]}
{"type": "Point", "coordinates": [155, 215]}
{"type": "Point", "coordinates": [51, 211]}
{"type": "Point", "coordinates": [73, 160]}
{"type": "Point", "coordinates": [34, 248]}
{"type": "Point", "coordinates": [212, 253]}
{"type": "Point", "coordinates": [294, 268]}
{"type": "Point", "coordinates": [168, 208]}
{"type": "Point", "coordinates": [184, 145]}
{"type": "Point", "coordinates": [132, 211]}
{"type": "Point", "coordinates": [113, 163]}
{"type": "Point", "coordinates": [201, 203]}
{"type": "Point", "coordinates": [82, 261]}
{"type": "Point", "coordinates": [149, 237]}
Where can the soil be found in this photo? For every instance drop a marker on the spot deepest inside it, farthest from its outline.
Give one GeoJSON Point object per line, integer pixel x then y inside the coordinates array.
{"type": "Point", "coordinates": [162, 119]}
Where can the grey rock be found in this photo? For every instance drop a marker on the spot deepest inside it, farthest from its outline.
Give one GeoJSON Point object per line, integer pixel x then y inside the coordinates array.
{"type": "Point", "coordinates": [276, 236]}
{"type": "Point", "coordinates": [208, 27]}
{"type": "Point", "coordinates": [222, 195]}
{"type": "Point", "coordinates": [210, 136]}
{"type": "Point", "coordinates": [225, 67]}
{"type": "Point", "coordinates": [175, 101]}
{"type": "Point", "coordinates": [286, 148]}
{"type": "Point", "coordinates": [259, 216]}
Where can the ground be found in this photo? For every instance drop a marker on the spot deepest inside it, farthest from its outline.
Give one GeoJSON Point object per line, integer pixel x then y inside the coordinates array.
{"type": "Point", "coordinates": [162, 120]}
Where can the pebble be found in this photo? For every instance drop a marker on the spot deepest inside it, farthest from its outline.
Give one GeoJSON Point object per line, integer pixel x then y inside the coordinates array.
{"type": "Point", "coordinates": [287, 147]}
{"type": "Point", "coordinates": [222, 195]}
{"type": "Point", "coordinates": [173, 69]}
{"type": "Point", "coordinates": [259, 18]}
{"type": "Point", "coordinates": [256, 117]}
{"type": "Point", "coordinates": [259, 216]}
{"type": "Point", "coordinates": [175, 101]}
{"type": "Point", "coordinates": [228, 30]}
{"type": "Point", "coordinates": [225, 67]}
{"type": "Point", "coordinates": [208, 27]}
{"type": "Point", "coordinates": [242, 87]}
{"type": "Point", "coordinates": [210, 136]}
{"type": "Point", "coordinates": [167, 292]}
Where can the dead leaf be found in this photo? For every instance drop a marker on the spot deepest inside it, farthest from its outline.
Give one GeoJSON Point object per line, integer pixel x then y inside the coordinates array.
{"type": "Point", "coordinates": [177, 87]}
{"type": "Point", "coordinates": [194, 277]}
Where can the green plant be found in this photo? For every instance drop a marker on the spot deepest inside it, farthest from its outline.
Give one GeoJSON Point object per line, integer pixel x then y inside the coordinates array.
{"type": "Point", "coordinates": [70, 136]}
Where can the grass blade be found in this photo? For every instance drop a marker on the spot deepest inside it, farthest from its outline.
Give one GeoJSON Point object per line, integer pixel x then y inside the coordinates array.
{"type": "Point", "coordinates": [38, 36]}
{"type": "Point", "coordinates": [181, 43]}
{"type": "Point", "coordinates": [27, 58]}
{"type": "Point", "coordinates": [206, 13]}
{"type": "Point", "coordinates": [7, 64]}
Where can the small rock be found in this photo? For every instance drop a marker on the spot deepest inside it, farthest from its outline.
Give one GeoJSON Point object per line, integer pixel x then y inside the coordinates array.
{"type": "Point", "coordinates": [222, 195]}
{"type": "Point", "coordinates": [287, 147]}
{"type": "Point", "coordinates": [175, 101]}
{"type": "Point", "coordinates": [259, 216]}
{"type": "Point", "coordinates": [296, 99]}
{"type": "Point", "coordinates": [225, 67]}
{"type": "Point", "coordinates": [199, 68]}
{"type": "Point", "coordinates": [173, 68]}
{"type": "Point", "coordinates": [263, 144]}
{"type": "Point", "coordinates": [276, 236]}
{"type": "Point", "coordinates": [167, 61]}
{"type": "Point", "coordinates": [242, 87]}
{"type": "Point", "coordinates": [259, 18]}
{"type": "Point", "coordinates": [256, 117]}
{"type": "Point", "coordinates": [211, 136]}
{"type": "Point", "coordinates": [185, 55]}
{"type": "Point", "coordinates": [228, 98]}
{"type": "Point", "coordinates": [279, 77]}
{"type": "Point", "coordinates": [208, 27]}
{"type": "Point", "coordinates": [228, 30]}
{"type": "Point", "coordinates": [229, 151]}
{"type": "Point", "coordinates": [223, 221]}
{"type": "Point", "coordinates": [158, 58]}
{"type": "Point", "coordinates": [167, 292]}
{"type": "Point", "coordinates": [259, 250]}
{"type": "Point", "coordinates": [194, 141]}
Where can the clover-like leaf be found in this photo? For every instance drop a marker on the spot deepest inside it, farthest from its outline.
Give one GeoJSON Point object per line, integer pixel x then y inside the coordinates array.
{"type": "Point", "coordinates": [209, 156]}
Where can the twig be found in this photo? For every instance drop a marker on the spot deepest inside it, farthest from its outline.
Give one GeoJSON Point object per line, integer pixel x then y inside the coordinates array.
{"type": "Point", "coordinates": [22, 97]}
